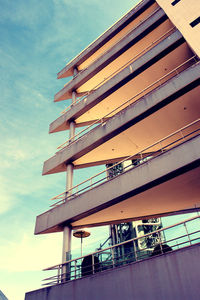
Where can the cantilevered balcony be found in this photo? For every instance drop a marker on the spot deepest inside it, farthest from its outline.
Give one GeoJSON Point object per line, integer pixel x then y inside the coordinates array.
{"type": "Point", "coordinates": [109, 37]}
{"type": "Point", "coordinates": [155, 64]}
{"type": "Point", "coordinates": [149, 32]}
{"type": "Point", "coordinates": [134, 125]}
{"type": "Point", "coordinates": [167, 181]}
{"type": "Point", "coordinates": [155, 277]}
{"type": "Point", "coordinates": [163, 241]}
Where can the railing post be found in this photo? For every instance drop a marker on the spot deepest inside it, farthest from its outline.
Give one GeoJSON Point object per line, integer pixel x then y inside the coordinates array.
{"type": "Point", "coordinates": [135, 250]}
{"type": "Point", "coordinates": [75, 262]}
{"type": "Point", "coordinates": [58, 279]}
{"type": "Point", "coordinates": [113, 257]}
{"type": "Point", "coordinates": [161, 147]}
{"type": "Point", "coordinates": [187, 233]}
{"type": "Point", "coordinates": [93, 264]}
{"type": "Point", "coordinates": [160, 242]}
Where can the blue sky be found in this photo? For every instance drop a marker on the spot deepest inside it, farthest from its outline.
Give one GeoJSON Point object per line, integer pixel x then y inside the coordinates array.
{"type": "Point", "coordinates": [37, 39]}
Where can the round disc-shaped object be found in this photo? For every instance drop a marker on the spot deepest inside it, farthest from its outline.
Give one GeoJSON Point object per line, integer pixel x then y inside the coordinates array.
{"type": "Point", "coordinates": [81, 233]}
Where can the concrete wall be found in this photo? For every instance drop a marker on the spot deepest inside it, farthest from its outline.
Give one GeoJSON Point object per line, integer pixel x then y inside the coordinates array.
{"type": "Point", "coordinates": [173, 276]}
{"type": "Point", "coordinates": [182, 13]}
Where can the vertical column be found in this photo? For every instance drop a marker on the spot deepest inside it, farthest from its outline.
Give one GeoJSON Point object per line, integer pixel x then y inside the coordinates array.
{"type": "Point", "coordinates": [67, 232]}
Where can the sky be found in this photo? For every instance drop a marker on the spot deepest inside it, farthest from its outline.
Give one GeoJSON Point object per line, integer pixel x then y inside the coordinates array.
{"type": "Point", "coordinates": [37, 39]}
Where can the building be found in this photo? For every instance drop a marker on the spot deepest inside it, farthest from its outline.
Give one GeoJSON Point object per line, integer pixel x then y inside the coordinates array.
{"type": "Point", "coordinates": [136, 89]}
{"type": "Point", "coordinates": [126, 231]}
{"type": "Point", "coordinates": [2, 296]}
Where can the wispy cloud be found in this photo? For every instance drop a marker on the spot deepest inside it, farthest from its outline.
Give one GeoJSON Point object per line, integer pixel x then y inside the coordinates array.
{"type": "Point", "coordinates": [6, 199]}
{"type": "Point", "coordinates": [30, 253]}
{"type": "Point", "coordinates": [37, 39]}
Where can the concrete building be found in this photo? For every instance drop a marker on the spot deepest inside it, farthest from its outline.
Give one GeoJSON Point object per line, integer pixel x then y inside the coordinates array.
{"type": "Point", "coordinates": [135, 91]}
{"type": "Point", "coordinates": [2, 296]}
{"type": "Point", "coordinates": [126, 231]}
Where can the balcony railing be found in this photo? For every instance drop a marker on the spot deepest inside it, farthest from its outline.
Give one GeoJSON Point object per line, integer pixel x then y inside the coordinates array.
{"type": "Point", "coordinates": [156, 84]}
{"type": "Point", "coordinates": [161, 146]}
{"type": "Point", "coordinates": [168, 239]}
{"type": "Point", "coordinates": [86, 94]}
{"type": "Point", "coordinates": [90, 45]}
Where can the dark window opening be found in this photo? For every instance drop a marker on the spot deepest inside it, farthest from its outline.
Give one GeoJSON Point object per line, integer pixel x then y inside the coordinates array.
{"type": "Point", "coordinates": [175, 2]}
{"type": "Point", "coordinates": [195, 22]}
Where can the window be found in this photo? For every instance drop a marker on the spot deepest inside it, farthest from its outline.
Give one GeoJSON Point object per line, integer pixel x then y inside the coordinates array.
{"type": "Point", "coordinates": [195, 22]}
{"type": "Point", "coordinates": [175, 2]}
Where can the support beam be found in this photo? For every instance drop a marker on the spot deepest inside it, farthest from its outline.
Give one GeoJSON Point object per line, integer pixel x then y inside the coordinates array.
{"type": "Point", "coordinates": [67, 232]}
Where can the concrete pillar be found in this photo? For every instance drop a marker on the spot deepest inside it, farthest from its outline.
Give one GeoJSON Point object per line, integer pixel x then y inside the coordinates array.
{"type": "Point", "coordinates": [66, 252]}
{"type": "Point", "coordinates": [67, 232]}
{"type": "Point", "coordinates": [69, 179]}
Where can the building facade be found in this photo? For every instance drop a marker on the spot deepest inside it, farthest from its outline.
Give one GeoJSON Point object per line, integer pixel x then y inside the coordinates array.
{"type": "Point", "coordinates": [135, 91]}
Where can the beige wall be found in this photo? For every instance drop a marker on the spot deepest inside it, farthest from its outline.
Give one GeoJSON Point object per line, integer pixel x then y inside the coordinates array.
{"type": "Point", "coordinates": [182, 14]}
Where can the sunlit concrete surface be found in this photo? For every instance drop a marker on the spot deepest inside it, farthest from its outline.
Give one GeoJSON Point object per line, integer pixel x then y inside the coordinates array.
{"type": "Point", "coordinates": [144, 66]}
{"type": "Point", "coordinates": [164, 185]}
{"type": "Point", "coordinates": [109, 37]}
{"type": "Point", "coordinates": [122, 129]}
{"type": "Point", "coordinates": [114, 59]}
{"type": "Point", "coordinates": [172, 276]}
{"type": "Point", "coordinates": [182, 15]}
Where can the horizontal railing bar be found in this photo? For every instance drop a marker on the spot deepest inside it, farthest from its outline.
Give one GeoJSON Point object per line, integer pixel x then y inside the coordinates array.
{"type": "Point", "coordinates": [152, 145]}
{"type": "Point", "coordinates": [118, 40]}
{"type": "Point", "coordinates": [128, 158]}
{"type": "Point", "coordinates": [88, 92]}
{"type": "Point", "coordinates": [124, 258]}
{"type": "Point", "coordinates": [125, 242]}
{"type": "Point", "coordinates": [90, 186]}
{"type": "Point", "coordinates": [72, 140]}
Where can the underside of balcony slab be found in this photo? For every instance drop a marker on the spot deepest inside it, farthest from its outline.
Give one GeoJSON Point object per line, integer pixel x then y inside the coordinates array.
{"type": "Point", "coordinates": [105, 38]}
{"type": "Point", "coordinates": [124, 129]}
{"type": "Point", "coordinates": [167, 184]}
{"type": "Point", "coordinates": [112, 54]}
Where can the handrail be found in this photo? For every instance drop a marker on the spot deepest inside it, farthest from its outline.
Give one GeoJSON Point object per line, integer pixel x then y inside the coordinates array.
{"type": "Point", "coordinates": [122, 67]}
{"type": "Point", "coordinates": [106, 117]}
{"type": "Point", "coordinates": [103, 34]}
{"type": "Point", "coordinates": [136, 255]}
{"type": "Point", "coordinates": [63, 196]}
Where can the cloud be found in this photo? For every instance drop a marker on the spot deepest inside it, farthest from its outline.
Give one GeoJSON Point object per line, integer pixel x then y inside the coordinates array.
{"type": "Point", "coordinates": [33, 253]}
{"type": "Point", "coordinates": [7, 201]}
{"type": "Point", "coordinates": [30, 253]}
{"type": "Point", "coordinates": [25, 13]}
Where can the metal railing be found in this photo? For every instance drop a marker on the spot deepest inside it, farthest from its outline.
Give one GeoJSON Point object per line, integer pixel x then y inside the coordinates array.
{"type": "Point", "coordinates": [104, 33]}
{"type": "Point", "coordinates": [156, 84]}
{"type": "Point", "coordinates": [171, 238]}
{"type": "Point", "coordinates": [86, 94]}
{"type": "Point", "coordinates": [157, 148]}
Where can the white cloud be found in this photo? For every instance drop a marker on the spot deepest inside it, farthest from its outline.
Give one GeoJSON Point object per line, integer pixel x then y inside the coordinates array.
{"type": "Point", "coordinates": [33, 253]}
{"type": "Point", "coordinates": [7, 201]}
{"type": "Point", "coordinates": [30, 253]}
